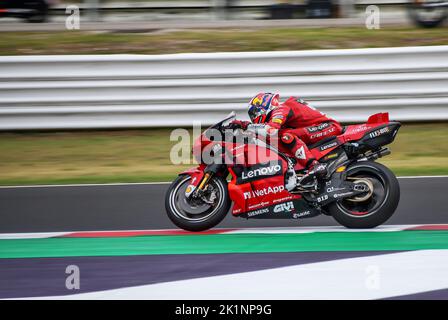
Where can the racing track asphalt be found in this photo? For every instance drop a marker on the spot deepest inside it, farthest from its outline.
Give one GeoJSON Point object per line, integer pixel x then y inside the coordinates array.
{"type": "Point", "coordinates": [141, 206]}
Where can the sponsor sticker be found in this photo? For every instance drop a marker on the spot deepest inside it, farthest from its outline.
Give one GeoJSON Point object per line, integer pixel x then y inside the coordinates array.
{"type": "Point", "coordinates": [379, 132]}
{"type": "Point", "coordinates": [339, 195]}
{"type": "Point", "coordinates": [319, 127]}
{"type": "Point", "coordinates": [331, 156]}
{"type": "Point", "coordinates": [328, 146]}
{"type": "Point", "coordinates": [258, 171]}
{"type": "Point", "coordinates": [263, 192]}
{"type": "Point", "coordinates": [359, 129]}
{"type": "Point", "coordinates": [322, 134]}
{"type": "Point", "coordinates": [284, 207]}
{"type": "Point", "coordinates": [283, 199]}
{"type": "Point", "coordinates": [300, 153]}
{"type": "Point", "coordinates": [301, 214]}
{"type": "Point", "coordinates": [257, 212]}
{"type": "Point", "coordinates": [322, 198]}
{"type": "Point", "coordinates": [261, 204]}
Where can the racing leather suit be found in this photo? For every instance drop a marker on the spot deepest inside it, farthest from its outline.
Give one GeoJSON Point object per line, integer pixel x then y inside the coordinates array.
{"type": "Point", "coordinates": [297, 125]}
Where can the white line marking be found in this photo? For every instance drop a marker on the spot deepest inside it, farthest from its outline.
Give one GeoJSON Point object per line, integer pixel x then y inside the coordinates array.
{"type": "Point", "coordinates": [33, 235]}
{"type": "Point", "coordinates": [372, 277]}
{"type": "Point", "coordinates": [152, 183]}
{"type": "Point", "coordinates": [266, 230]}
{"type": "Point", "coordinates": [84, 185]}
{"type": "Point", "coordinates": [422, 177]}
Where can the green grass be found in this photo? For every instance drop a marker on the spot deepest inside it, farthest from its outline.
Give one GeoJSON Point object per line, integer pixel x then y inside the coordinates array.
{"type": "Point", "coordinates": [144, 155]}
{"type": "Point", "coordinates": [171, 41]}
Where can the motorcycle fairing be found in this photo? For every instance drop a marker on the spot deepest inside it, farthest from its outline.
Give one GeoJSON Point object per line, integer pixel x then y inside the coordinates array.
{"type": "Point", "coordinates": [284, 208]}
{"type": "Point", "coordinates": [364, 133]}
{"type": "Point", "coordinates": [196, 173]}
{"type": "Point", "coordinates": [257, 188]}
{"type": "Point", "coordinates": [259, 193]}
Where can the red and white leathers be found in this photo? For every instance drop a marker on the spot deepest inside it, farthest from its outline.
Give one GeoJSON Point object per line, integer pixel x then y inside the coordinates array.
{"type": "Point", "coordinates": [298, 124]}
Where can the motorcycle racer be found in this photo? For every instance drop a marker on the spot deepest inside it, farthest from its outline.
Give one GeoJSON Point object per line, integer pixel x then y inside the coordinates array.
{"type": "Point", "coordinates": [296, 123]}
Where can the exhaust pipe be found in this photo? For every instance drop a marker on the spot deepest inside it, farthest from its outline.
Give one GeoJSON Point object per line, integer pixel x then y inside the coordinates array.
{"type": "Point", "coordinates": [379, 154]}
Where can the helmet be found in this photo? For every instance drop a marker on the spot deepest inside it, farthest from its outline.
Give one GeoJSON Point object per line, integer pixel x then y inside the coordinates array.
{"type": "Point", "coordinates": [261, 105]}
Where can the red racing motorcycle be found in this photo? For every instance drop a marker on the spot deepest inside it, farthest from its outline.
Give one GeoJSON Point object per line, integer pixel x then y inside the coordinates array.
{"type": "Point", "coordinates": [264, 182]}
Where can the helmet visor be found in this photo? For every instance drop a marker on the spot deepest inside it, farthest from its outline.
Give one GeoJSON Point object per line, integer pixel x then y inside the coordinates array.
{"type": "Point", "coordinates": [254, 112]}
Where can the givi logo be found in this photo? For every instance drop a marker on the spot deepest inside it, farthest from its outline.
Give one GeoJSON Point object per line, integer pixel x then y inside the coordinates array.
{"type": "Point", "coordinates": [284, 207]}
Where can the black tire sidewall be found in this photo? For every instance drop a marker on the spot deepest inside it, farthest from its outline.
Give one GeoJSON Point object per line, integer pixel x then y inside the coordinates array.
{"type": "Point", "coordinates": [203, 225]}
{"type": "Point", "coordinates": [383, 213]}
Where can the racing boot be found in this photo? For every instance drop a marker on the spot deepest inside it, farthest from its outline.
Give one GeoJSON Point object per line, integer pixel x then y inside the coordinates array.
{"type": "Point", "coordinates": [316, 170]}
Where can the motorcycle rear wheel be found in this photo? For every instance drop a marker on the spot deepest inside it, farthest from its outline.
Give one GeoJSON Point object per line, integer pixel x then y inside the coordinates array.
{"type": "Point", "coordinates": [375, 210]}
{"type": "Point", "coordinates": [194, 216]}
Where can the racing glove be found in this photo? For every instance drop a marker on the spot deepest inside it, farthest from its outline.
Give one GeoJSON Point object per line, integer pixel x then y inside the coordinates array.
{"type": "Point", "coordinates": [238, 124]}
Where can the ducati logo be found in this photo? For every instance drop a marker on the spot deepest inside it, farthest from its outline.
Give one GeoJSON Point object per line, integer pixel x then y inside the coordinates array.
{"type": "Point", "coordinates": [284, 207]}
{"type": "Point", "coordinates": [300, 153]}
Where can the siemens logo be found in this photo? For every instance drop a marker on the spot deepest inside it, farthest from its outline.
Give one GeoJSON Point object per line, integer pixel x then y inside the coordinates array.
{"type": "Point", "coordinates": [257, 212]}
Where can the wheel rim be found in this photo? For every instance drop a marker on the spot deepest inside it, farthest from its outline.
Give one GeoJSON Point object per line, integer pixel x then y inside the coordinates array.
{"type": "Point", "coordinates": [371, 205]}
{"type": "Point", "coordinates": [184, 210]}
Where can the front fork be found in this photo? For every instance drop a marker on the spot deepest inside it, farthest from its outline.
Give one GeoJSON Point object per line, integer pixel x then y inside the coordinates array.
{"type": "Point", "coordinates": [200, 177]}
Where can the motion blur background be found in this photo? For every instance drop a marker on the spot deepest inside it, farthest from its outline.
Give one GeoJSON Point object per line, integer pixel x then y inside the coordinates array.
{"type": "Point", "coordinates": [72, 111]}
{"type": "Point", "coordinates": [97, 101]}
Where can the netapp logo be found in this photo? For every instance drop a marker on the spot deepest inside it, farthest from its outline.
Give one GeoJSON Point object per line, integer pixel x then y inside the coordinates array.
{"type": "Point", "coordinates": [261, 172]}
{"type": "Point", "coordinates": [328, 146]}
{"type": "Point", "coordinates": [263, 192]}
{"type": "Point", "coordinates": [284, 207]}
{"type": "Point", "coordinates": [257, 212]}
{"type": "Point", "coordinates": [379, 132]}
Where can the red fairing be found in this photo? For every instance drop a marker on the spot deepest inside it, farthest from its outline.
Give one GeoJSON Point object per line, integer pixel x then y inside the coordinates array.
{"type": "Point", "coordinates": [352, 133]}
{"type": "Point", "coordinates": [254, 184]}
{"type": "Point", "coordinates": [378, 118]}
{"type": "Point", "coordinates": [196, 174]}
{"type": "Point", "coordinates": [357, 131]}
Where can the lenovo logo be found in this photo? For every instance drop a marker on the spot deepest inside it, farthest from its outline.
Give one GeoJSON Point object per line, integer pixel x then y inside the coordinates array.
{"type": "Point", "coordinates": [328, 146]}
{"type": "Point", "coordinates": [260, 172]}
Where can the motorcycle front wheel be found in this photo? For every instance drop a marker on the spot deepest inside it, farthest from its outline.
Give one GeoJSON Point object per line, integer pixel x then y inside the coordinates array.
{"type": "Point", "coordinates": [376, 206]}
{"type": "Point", "coordinates": [197, 214]}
